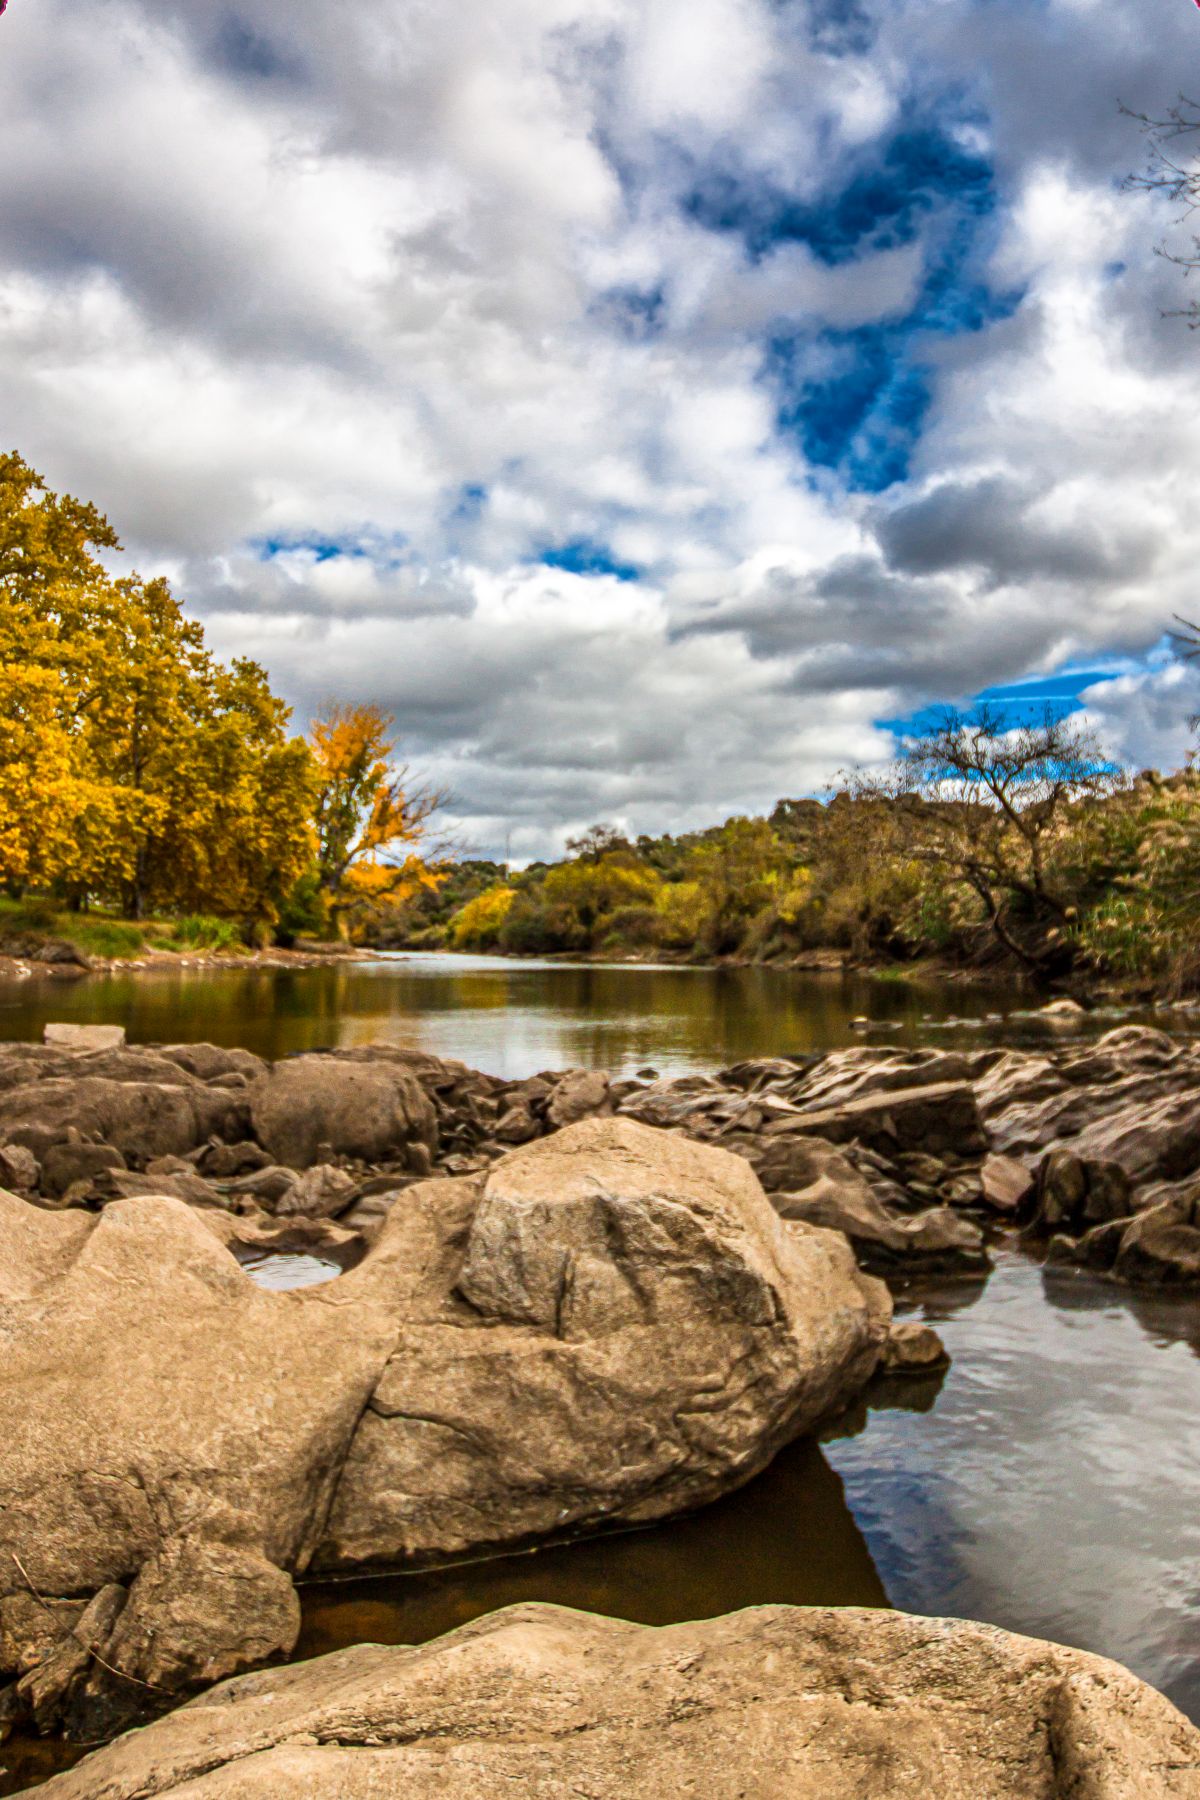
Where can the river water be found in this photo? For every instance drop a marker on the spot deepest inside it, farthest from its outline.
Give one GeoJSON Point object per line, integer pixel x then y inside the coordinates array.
{"type": "Point", "coordinates": [515, 1018]}
{"type": "Point", "coordinates": [1048, 1483]}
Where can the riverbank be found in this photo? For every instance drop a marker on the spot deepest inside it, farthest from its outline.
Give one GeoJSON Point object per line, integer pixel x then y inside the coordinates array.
{"type": "Point", "coordinates": [64, 960]}
{"type": "Point", "coordinates": [56, 954]}
{"type": "Point", "coordinates": [147, 1166]}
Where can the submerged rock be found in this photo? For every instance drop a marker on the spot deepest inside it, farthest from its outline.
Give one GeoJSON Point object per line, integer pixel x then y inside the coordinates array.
{"type": "Point", "coordinates": [610, 1325]}
{"type": "Point", "coordinates": [540, 1702]}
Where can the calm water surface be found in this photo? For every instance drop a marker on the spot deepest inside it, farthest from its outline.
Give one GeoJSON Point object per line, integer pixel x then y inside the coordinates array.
{"type": "Point", "coordinates": [515, 1018]}
{"type": "Point", "coordinates": [1047, 1484]}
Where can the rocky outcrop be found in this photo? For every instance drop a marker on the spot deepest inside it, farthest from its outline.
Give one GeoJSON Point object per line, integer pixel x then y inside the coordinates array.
{"type": "Point", "coordinates": [891, 1147]}
{"type": "Point", "coordinates": [141, 1119]}
{"type": "Point", "coordinates": [1074, 1194]}
{"type": "Point", "coordinates": [609, 1326]}
{"type": "Point", "coordinates": [536, 1701]}
{"type": "Point", "coordinates": [1158, 1248]}
{"type": "Point", "coordinates": [887, 1242]}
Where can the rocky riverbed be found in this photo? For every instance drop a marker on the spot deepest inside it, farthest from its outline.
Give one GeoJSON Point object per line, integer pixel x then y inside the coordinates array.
{"type": "Point", "coordinates": [569, 1304]}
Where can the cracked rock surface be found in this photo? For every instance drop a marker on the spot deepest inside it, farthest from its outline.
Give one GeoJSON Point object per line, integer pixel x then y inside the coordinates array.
{"type": "Point", "coordinates": [610, 1325]}
{"type": "Point", "coordinates": [537, 1701]}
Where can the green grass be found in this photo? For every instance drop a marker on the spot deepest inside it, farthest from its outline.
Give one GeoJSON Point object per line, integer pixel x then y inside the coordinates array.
{"type": "Point", "coordinates": [199, 932]}
{"type": "Point", "coordinates": [26, 923]}
{"type": "Point", "coordinates": [103, 937]}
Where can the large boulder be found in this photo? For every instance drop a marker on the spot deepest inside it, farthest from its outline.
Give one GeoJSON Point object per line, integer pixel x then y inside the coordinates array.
{"type": "Point", "coordinates": [651, 1335]}
{"type": "Point", "coordinates": [612, 1326]}
{"type": "Point", "coordinates": [141, 1119]}
{"type": "Point", "coordinates": [536, 1701]}
{"type": "Point", "coordinates": [371, 1111]}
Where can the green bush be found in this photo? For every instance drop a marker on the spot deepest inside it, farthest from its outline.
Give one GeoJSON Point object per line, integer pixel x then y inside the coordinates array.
{"type": "Point", "coordinates": [103, 937]}
{"type": "Point", "coordinates": [637, 925]}
{"type": "Point", "coordinates": [200, 932]}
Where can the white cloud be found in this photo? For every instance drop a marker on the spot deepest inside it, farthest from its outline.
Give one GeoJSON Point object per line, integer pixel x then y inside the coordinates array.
{"type": "Point", "coordinates": [422, 283]}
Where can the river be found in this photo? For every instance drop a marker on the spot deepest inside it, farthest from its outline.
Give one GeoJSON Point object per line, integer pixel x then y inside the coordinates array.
{"type": "Point", "coordinates": [1046, 1484]}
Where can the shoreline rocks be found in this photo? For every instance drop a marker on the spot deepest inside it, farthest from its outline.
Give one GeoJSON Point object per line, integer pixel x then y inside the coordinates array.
{"type": "Point", "coordinates": [538, 1701]}
{"type": "Point", "coordinates": [608, 1326]}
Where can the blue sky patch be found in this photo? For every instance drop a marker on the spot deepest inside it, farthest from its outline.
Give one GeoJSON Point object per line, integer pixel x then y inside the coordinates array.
{"type": "Point", "coordinates": [1020, 702]}
{"type": "Point", "coordinates": [882, 206]}
{"type": "Point", "coordinates": [583, 556]}
{"type": "Point", "coordinates": [862, 412]}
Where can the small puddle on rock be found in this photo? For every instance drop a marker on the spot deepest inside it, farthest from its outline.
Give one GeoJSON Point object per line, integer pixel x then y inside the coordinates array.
{"type": "Point", "coordinates": [279, 1270]}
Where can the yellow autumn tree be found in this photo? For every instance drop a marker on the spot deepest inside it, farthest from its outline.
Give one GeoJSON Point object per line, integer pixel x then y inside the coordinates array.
{"type": "Point", "coordinates": [371, 816]}
{"type": "Point", "coordinates": [135, 768]}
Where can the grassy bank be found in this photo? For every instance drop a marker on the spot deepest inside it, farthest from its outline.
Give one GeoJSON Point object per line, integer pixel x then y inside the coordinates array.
{"type": "Point", "coordinates": [41, 931]}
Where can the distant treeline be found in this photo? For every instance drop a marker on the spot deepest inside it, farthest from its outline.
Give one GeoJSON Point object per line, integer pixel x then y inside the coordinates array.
{"type": "Point", "coordinates": [983, 847]}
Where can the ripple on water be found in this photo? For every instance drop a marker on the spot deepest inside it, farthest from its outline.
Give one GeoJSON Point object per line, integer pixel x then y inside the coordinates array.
{"type": "Point", "coordinates": [279, 1270]}
{"type": "Point", "coordinates": [1051, 1490]}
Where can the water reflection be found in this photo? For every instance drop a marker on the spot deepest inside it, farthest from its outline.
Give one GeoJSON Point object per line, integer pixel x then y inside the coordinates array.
{"type": "Point", "coordinates": [1051, 1489]}
{"type": "Point", "coordinates": [515, 1018]}
{"type": "Point", "coordinates": [788, 1537]}
{"type": "Point", "coordinates": [281, 1270]}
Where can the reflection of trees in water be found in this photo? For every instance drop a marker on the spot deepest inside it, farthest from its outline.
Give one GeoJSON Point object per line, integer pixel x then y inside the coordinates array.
{"type": "Point", "coordinates": [521, 1016]}
{"type": "Point", "coordinates": [787, 1538]}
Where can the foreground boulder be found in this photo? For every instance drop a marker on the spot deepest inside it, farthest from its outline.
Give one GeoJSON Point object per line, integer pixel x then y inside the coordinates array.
{"type": "Point", "coordinates": [610, 1326]}
{"type": "Point", "coordinates": [536, 1701]}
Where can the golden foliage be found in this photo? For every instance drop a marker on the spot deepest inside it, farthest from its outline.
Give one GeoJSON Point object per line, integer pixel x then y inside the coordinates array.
{"type": "Point", "coordinates": [370, 814]}
{"type": "Point", "coordinates": [134, 766]}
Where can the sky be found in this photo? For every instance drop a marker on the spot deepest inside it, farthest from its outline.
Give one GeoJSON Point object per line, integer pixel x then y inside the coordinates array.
{"type": "Point", "coordinates": [653, 403]}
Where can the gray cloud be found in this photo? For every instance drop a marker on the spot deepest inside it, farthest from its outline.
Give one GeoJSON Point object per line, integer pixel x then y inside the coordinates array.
{"type": "Point", "coordinates": [415, 286]}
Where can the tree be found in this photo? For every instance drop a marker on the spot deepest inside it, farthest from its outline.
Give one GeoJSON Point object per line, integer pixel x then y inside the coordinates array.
{"type": "Point", "coordinates": [237, 833]}
{"type": "Point", "coordinates": [991, 808]}
{"type": "Point", "coordinates": [590, 887]}
{"type": "Point", "coordinates": [370, 815]}
{"type": "Point", "coordinates": [739, 869]}
{"type": "Point", "coordinates": [599, 842]}
{"type": "Point", "coordinates": [1171, 171]}
{"type": "Point", "coordinates": [135, 766]}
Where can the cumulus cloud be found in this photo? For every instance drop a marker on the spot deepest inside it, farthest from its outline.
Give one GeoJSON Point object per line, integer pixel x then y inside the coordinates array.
{"type": "Point", "coordinates": [643, 399]}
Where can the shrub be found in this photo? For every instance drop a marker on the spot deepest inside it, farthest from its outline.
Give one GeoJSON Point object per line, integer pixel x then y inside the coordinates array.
{"type": "Point", "coordinates": [478, 924]}
{"type": "Point", "coordinates": [640, 925]}
{"type": "Point", "coordinates": [200, 932]}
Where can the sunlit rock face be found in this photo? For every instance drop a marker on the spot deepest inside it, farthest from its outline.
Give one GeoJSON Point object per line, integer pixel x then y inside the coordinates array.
{"type": "Point", "coordinates": [813, 1704]}
{"type": "Point", "coordinates": [609, 1326]}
